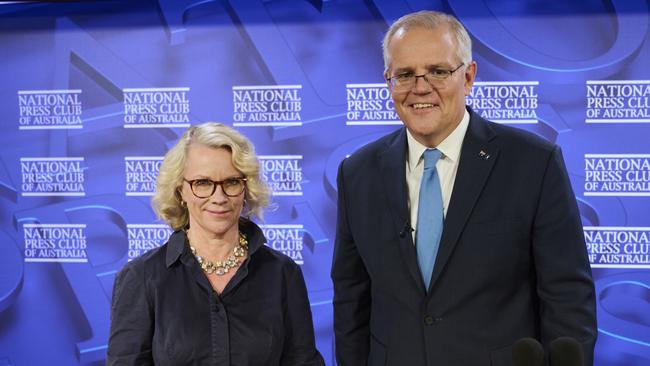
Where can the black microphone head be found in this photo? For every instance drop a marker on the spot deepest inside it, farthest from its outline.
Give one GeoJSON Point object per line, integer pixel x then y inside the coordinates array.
{"type": "Point", "coordinates": [527, 352]}
{"type": "Point", "coordinates": [566, 351]}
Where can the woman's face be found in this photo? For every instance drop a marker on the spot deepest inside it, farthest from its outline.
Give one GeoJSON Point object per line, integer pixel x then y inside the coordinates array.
{"type": "Point", "coordinates": [216, 216]}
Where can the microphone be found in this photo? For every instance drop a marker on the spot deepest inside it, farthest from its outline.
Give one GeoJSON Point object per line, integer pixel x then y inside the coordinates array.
{"type": "Point", "coordinates": [406, 229]}
{"type": "Point", "coordinates": [566, 351]}
{"type": "Point", "coordinates": [527, 352]}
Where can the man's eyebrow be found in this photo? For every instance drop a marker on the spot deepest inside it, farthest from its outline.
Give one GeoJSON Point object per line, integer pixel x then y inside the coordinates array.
{"type": "Point", "coordinates": [403, 70]}
{"type": "Point", "coordinates": [409, 69]}
{"type": "Point", "coordinates": [439, 66]}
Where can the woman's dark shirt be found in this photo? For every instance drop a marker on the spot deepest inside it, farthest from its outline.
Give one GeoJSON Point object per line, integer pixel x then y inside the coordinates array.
{"type": "Point", "coordinates": [165, 312]}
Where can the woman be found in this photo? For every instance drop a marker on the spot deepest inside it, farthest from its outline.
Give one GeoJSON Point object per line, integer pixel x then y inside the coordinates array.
{"type": "Point", "coordinates": [214, 294]}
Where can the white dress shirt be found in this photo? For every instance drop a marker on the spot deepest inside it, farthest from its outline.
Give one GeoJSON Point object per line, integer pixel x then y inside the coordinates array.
{"type": "Point", "coordinates": [446, 167]}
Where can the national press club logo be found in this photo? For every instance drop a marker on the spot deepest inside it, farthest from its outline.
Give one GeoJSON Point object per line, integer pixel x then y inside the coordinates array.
{"type": "Point", "coordinates": [618, 101]}
{"type": "Point", "coordinates": [505, 101]}
{"type": "Point", "coordinates": [156, 107]}
{"type": "Point", "coordinates": [140, 174]}
{"type": "Point", "coordinates": [283, 174]}
{"type": "Point", "coordinates": [287, 239]}
{"type": "Point", "coordinates": [144, 237]}
{"type": "Point", "coordinates": [52, 176]}
{"type": "Point", "coordinates": [63, 243]}
{"type": "Point", "coordinates": [617, 175]}
{"type": "Point", "coordinates": [267, 105]}
{"type": "Point", "coordinates": [618, 247]}
{"type": "Point", "coordinates": [370, 104]}
{"type": "Point", "coordinates": [49, 109]}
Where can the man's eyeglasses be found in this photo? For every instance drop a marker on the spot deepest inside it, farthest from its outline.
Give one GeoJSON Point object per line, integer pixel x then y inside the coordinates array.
{"type": "Point", "coordinates": [204, 188]}
{"type": "Point", "coordinates": [407, 80]}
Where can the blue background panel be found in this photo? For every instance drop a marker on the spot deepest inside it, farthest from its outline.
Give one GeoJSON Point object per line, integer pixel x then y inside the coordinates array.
{"type": "Point", "coordinates": [57, 312]}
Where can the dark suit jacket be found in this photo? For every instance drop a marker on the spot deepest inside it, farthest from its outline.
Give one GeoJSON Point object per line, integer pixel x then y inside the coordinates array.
{"type": "Point", "coordinates": [512, 261]}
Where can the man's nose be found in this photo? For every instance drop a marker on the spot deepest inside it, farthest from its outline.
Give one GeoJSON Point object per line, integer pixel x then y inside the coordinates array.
{"type": "Point", "coordinates": [422, 86]}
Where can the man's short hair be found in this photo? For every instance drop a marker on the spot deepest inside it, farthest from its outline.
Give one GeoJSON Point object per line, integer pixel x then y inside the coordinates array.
{"type": "Point", "coordinates": [431, 20]}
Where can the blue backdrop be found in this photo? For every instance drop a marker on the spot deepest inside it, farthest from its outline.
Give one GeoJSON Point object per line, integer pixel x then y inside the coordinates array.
{"type": "Point", "coordinates": [94, 93]}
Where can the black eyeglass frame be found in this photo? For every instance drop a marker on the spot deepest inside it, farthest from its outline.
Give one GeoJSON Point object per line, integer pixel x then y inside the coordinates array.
{"type": "Point", "coordinates": [216, 183]}
{"type": "Point", "coordinates": [444, 75]}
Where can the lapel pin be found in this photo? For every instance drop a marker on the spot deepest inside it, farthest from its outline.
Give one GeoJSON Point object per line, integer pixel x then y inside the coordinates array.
{"type": "Point", "coordinates": [484, 155]}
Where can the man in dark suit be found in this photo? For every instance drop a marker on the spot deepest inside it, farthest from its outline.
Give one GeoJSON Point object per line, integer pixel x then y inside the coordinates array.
{"type": "Point", "coordinates": [509, 259]}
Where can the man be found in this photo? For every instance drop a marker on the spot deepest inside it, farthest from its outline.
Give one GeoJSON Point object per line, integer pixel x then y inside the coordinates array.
{"type": "Point", "coordinates": [509, 260]}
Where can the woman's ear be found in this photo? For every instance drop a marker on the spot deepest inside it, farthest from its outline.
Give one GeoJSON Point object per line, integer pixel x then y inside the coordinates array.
{"type": "Point", "coordinates": [179, 196]}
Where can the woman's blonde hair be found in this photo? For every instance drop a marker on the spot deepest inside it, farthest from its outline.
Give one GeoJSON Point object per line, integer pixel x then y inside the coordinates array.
{"type": "Point", "coordinates": [167, 202]}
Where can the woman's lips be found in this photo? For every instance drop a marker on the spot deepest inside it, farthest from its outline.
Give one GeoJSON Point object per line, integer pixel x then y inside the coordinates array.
{"type": "Point", "coordinates": [218, 213]}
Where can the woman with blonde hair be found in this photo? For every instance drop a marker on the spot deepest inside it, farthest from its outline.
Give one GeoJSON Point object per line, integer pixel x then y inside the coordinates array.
{"type": "Point", "coordinates": [214, 293]}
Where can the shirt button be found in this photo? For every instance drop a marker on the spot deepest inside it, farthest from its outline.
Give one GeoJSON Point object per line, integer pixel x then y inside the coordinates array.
{"type": "Point", "coordinates": [428, 320]}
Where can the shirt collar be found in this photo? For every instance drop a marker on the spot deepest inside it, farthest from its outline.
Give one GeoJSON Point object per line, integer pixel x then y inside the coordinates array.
{"type": "Point", "coordinates": [177, 247]}
{"type": "Point", "coordinates": [449, 147]}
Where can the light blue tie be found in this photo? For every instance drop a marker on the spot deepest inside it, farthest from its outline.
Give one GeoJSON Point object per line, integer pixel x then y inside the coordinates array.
{"type": "Point", "coordinates": [430, 216]}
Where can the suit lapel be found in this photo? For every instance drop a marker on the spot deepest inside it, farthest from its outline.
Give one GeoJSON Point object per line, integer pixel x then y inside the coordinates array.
{"type": "Point", "coordinates": [476, 161]}
{"type": "Point", "coordinates": [392, 166]}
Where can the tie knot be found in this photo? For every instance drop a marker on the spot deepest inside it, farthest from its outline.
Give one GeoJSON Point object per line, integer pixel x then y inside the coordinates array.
{"type": "Point", "coordinates": [431, 157]}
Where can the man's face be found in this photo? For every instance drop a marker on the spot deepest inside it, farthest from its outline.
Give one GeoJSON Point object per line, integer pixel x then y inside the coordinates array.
{"type": "Point", "coordinates": [430, 113]}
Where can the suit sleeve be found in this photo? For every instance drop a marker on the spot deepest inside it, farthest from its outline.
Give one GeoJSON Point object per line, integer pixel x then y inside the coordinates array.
{"type": "Point", "coordinates": [299, 348]}
{"type": "Point", "coordinates": [564, 282]}
{"type": "Point", "coordinates": [132, 320]}
{"type": "Point", "coordinates": [351, 289]}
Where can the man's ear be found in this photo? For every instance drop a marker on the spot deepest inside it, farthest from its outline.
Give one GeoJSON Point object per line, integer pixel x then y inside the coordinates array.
{"type": "Point", "coordinates": [470, 76]}
{"type": "Point", "coordinates": [386, 76]}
